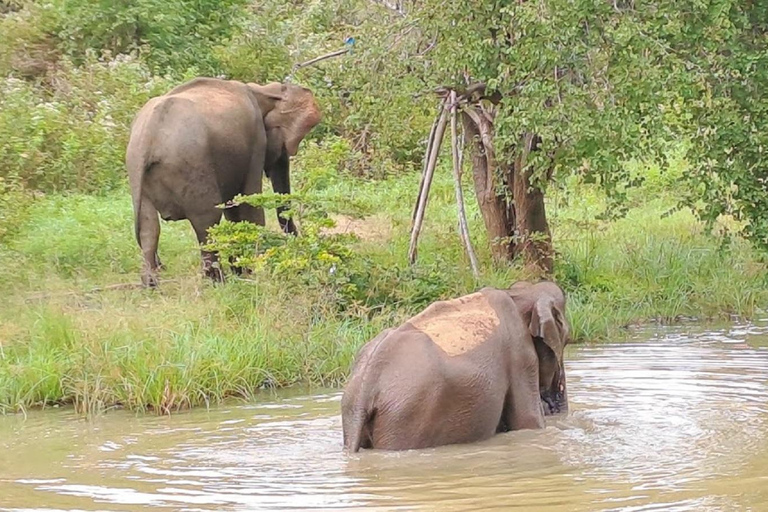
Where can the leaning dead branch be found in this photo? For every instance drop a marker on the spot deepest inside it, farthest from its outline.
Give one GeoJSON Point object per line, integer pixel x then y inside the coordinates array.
{"type": "Point", "coordinates": [427, 154]}
{"type": "Point", "coordinates": [511, 206]}
{"type": "Point", "coordinates": [321, 58]}
{"type": "Point", "coordinates": [429, 172]}
{"type": "Point", "coordinates": [463, 224]}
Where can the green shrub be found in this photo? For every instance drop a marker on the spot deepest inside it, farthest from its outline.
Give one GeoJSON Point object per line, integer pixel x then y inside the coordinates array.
{"type": "Point", "coordinates": [74, 138]}
{"type": "Point", "coordinates": [173, 35]}
{"type": "Point", "coordinates": [25, 47]}
{"type": "Point", "coordinates": [328, 264]}
{"type": "Point", "coordinates": [14, 208]}
{"type": "Point", "coordinates": [319, 163]}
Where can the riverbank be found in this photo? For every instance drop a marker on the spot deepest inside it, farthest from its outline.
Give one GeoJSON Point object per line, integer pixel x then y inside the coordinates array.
{"type": "Point", "coordinates": [69, 335]}
{"type": "Point", "coordinates": [696, 393]}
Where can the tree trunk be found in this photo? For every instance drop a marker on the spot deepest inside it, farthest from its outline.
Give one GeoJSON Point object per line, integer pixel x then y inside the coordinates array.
{"type": "Point", "coordinates": [512, 208]}
{"type": "Point", "coordinates": [533, 240]}
{"type": "Point", "coordinates": [493, 205]}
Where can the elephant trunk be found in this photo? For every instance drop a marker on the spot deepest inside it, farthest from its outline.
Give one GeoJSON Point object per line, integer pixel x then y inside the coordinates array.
{"type": "Point", "coordinates": [554, 394]}
{"type": "Point", "coordinates": [563, 391]}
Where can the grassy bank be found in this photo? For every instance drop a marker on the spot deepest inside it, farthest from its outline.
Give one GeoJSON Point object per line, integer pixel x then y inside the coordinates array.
{"type": "Point", "coordinates": [75, 329]}
{"type": "Point", "coordinates": [190, 342]}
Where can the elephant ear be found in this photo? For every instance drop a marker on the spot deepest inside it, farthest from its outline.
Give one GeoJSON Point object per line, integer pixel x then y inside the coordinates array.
{"type": "Point", "coordinates": [548, 323]}
{"type": "Point", "coordinates": [293, 111]}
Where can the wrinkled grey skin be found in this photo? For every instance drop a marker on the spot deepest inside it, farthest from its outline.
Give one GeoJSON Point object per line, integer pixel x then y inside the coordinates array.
{"type": "Point", "coordinates": [203, 143]}
{"type": "Point", "coordinates": [542, 306]}
{"type": "Point", "coordinates": [405, 392]}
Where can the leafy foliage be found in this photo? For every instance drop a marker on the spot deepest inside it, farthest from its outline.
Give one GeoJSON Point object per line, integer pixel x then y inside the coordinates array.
{"type": "Point", "coordinates": [321, 260]}
{"type": "Point", "coordinates": [601, 83]}
{"type": "Point", "coordinates": [76, 137]}
{"type": "Point", "coordinates": [248, 245]}
{"type": "Point", "coordinates": [650, 102]}
{"type": "Point", "coordinates": [725, 113]}
{"type": "Point", "coordinates": [174, 35]}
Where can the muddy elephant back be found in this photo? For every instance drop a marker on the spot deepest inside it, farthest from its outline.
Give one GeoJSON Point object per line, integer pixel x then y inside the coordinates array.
{"type": "Point", "coordinates": [459, 325]}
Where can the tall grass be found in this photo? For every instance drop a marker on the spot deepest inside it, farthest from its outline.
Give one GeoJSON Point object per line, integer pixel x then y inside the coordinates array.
{"type": "Point", "coordinates": [191, 342]}
{"type": "Point", "coordinates": [187, 345]}
{"type": "Point", "coordinates": [74, 75]}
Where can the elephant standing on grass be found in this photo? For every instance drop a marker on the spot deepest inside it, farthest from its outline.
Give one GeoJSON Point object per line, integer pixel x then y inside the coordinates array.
{"type": "Point", "coordinates": [461, 371]}
{"type": "Point", "coordinates": [203, 143]}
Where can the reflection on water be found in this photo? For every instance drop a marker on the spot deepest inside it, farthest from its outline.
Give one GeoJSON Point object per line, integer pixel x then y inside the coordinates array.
{"type": "Point", "coordinates": [676, 422]}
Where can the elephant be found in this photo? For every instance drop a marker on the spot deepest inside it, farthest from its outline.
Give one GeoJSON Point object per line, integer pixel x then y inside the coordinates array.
{"type": "Point", "coordinates": [460, 371]}
{"type": "Point", "coordinates": [205, 142]}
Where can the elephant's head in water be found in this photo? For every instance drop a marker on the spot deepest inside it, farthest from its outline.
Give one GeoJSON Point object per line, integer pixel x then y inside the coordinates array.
{"type": "Point", "coordinates": [542, 306]}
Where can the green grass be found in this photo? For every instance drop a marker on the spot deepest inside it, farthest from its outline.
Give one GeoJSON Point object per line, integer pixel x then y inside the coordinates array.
{"type": "Point", "coordinates": [191, 342]}
{"type": "Point", "coordinates": [187, 344]}
{"type": "Point", "coordinates": [64, 123]}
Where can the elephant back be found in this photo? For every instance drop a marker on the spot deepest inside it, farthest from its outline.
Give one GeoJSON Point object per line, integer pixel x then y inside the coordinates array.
{"type": "Point", "coordinates": [458, 325]}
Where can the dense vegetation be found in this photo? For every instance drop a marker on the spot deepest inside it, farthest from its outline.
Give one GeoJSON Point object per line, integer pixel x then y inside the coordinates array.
{"type": "Point", "coordinates": [652, 203]}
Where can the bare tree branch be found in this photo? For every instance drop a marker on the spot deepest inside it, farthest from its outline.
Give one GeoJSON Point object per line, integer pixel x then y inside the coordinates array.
{"type": "Point", "coordinates": [320, 58]}
{"type": "Point", "coordinates": [429, 172]}
{"type": "Point", "coordinates": [427, 154]}
{"type": "Point", "coordinates": [463, 224]}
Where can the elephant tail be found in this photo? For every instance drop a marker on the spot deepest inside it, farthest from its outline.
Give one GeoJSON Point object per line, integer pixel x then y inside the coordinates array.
{"type": "Point", "coordinates": [137, 181]}
{"type": "Point", "coordinates": [139, 159]}
{"type": "Point", "coordinates": [356, 428]}
{"type": "Point", "coordinates": [358, 404]}
{"type": "Point", "coordinates": [136, 193]}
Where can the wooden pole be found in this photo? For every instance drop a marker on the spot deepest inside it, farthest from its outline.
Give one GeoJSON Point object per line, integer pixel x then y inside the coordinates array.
{"type": "Point", "coordinates": [320, 58]}
{"type": "Point", "coordinates": [463, 225]}
{"type": "Point", "coordinates": [427, 156]}
{"type": "Point", "coordinates": [428, 175]}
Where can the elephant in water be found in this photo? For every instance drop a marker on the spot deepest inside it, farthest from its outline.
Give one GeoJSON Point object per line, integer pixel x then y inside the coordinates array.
{"type": "Point", "coordinates": [203, 143]}
{"type": "Point", "coordinates": [461, 371]}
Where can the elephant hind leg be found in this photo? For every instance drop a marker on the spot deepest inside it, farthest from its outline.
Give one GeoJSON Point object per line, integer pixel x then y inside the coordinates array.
{"type": "Point", "coordinates": [201, 222]}
{"type": "Point", "coordinates": [149, 237]}
{"type": "Point", "coordinates": [252, 185]}
{"type": "Point", "coordinates": [246, 212]}
{"type": "Point", "coordinates": [243, 213]}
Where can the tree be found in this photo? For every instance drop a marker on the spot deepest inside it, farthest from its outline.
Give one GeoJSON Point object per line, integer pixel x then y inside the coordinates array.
{"type": "Point", "coordinates": [564, 86]}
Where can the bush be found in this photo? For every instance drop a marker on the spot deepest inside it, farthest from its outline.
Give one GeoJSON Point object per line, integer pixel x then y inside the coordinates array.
{"type": "Point", "coordinates": [327, 264]}
{"type": "Point", "coordinates": [14, 208]}
{"type": "Point", "coordinates": [173, 35]}
{"type": "Point", "coordinates": [74, 138]}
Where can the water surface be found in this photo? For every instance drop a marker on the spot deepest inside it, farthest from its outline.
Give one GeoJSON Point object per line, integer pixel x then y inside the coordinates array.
{"type": "Point", "coordinates": [676, 420]}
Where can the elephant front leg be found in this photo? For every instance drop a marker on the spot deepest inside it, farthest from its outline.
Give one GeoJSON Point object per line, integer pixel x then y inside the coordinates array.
{"type": "Point", "coordinates": [287, 225]}
{"type": "Point", "coordinates": [201, 222]}
{"type": "Point", "coordinates": [212, 267]}
{"type": "Point", "coordinates": [524, 408]}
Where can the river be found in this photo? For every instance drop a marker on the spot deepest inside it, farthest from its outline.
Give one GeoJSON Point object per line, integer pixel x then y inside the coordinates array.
{"type": "Point", "coordinates": [675, 419]}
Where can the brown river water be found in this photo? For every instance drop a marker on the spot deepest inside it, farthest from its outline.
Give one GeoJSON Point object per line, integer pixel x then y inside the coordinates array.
{"type": "Point", "coordinates": [674, 420]}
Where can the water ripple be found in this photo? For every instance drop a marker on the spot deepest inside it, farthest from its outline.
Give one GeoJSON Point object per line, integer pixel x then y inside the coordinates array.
{"type": "Point", "coordinates": [678, 422]}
